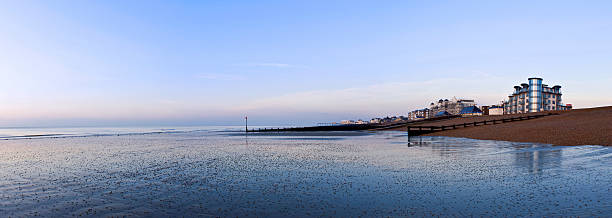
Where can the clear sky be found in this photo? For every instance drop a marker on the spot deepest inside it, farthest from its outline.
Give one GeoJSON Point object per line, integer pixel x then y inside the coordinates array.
{"type": "Point", "coordinates": [288, 62]}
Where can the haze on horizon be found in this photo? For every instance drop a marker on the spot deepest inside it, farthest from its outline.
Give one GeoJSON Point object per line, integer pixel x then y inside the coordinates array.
{"type": "Point", "coordinates": [279, 62]}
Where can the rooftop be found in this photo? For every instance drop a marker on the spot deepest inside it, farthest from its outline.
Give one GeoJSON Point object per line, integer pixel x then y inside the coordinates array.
{"type": "Point", "coordinates": [470, 110]}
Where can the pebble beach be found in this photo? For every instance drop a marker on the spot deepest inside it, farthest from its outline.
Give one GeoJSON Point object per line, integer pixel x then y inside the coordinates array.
{"type": "Point", "coordinates": [592, 126]}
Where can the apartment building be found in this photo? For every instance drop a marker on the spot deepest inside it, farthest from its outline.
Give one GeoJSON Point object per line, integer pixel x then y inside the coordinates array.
{"type": "Point", "coordinates": [419, 114]}
{"type": "Point", "coordinates": [534, 96]}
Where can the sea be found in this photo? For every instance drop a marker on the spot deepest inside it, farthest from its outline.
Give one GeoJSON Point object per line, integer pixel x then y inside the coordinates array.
{"type": "Point", "coordinates": [225, 172]}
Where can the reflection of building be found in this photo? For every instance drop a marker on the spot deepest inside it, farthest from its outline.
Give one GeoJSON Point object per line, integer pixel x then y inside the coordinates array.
{"type": "Point", "coordinates": [536, 159]}
{"type": "Point", "coordinates": [453, 106]}
{"type": "Point", "coordinates": [534, 97]}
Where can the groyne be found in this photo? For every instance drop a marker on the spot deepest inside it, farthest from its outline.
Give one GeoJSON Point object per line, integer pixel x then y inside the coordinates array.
{"type": "Point", "coordinates": [353, 127]}
{"type": "Point", "coordinates": [589, 126]}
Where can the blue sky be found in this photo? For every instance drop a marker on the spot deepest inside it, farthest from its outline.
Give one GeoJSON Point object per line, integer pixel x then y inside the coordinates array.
{"type": "Point", "coordinates": [288, 62]}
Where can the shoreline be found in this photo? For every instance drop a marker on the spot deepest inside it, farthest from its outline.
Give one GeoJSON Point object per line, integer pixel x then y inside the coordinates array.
{"type": "Point", "coordinates": [589, 126]}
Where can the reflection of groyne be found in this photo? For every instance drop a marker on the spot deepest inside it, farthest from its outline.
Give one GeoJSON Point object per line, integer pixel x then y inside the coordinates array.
{"type": "Point", "coordinates": [353, 127]}
{"type": "Point", "coordinates": [419, 129]}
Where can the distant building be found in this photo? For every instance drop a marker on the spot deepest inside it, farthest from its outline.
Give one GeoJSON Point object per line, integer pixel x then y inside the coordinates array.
{"type": "Point", "coordinates": [485, 110]}
{"type": "Point", "coordinates": [393, 119]}
{"type": "Point", "coordinates": [452, 107]}
{"type": "Point", "coordinates": [471, 111]}
{"type": "Point", "coordinates": [442, 113]}
{"type": "Point", "coordinates": [387, 119]}
{"type": "Point", "coordinates": [419, 114]}
{"type": "Point", "coordinates": [495, 110]}
{"type": "Point", "coordinates": [492, 110]}
{"type": "Point", "coordinates": [345, 122]}
{"type": "Point", "coordinates": [361, 122]}
{"type": "Point", "coordinates": [534, 97]}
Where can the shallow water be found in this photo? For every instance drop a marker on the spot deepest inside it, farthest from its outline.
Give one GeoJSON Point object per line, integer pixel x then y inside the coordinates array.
{"type": "Point", "coordinates": [224, 173]}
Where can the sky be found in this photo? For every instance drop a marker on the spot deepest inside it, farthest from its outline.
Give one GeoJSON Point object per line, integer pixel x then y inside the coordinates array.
{"type": "Point", "coordinates": [85, 63]}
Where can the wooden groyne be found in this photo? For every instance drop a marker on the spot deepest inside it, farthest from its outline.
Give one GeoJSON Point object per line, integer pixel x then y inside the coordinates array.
{"type": "Point", "coordinates": [417, 127]}
{"type": "Point", "coordinates": [414, 130]}
{"type": "Point", "coordinates": [351, 127]}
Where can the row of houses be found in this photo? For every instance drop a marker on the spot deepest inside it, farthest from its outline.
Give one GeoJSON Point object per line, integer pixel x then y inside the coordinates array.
{"type": "Point", "coordinates": [526, 98]}
{"type": "Point", "coordinates": [530, 97]}
{"type": "Point", "coordinates": [445, 107]}
{"type": "Point", "coordinates": [373, 120]}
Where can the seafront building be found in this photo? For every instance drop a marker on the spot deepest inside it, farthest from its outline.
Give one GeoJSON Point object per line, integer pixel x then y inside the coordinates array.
{"type": "Point", "coordinates": [419, 114]}
{"type": "Point", "coordinates": [371, 121]}
{"type": "Point", "coordinates": [495, 110]}
{"type": "Point", "coordinates": [347, 122]}
{"type": "Point", "coordinates": [442, 108]}
{"type": "Point", "coordinates": [534, 97]}
{"type": "Point", "coordinates": [470, 111]}
{"type": "Point", "coordinates": [452, 107]}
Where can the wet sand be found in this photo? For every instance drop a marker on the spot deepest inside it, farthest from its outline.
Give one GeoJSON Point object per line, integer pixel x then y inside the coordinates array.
{"type": "Point", "coordinates": [591, 126]}
{"type": "Point", "coordinates": [326, 174]}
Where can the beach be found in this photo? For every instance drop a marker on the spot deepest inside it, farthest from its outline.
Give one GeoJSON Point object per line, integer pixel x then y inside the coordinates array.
{"type": "Point", "coordinates": [214, 172]}
{"type": "Point", "coordinates": [591, 126]}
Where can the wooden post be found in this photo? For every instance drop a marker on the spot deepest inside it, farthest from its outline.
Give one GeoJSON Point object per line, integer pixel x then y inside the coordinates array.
{"type": "Point", "coordinates": [408, 132]}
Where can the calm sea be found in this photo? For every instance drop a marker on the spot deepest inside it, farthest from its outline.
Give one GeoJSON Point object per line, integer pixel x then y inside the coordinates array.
{"type": "Point", "coordinates": [218, 171]}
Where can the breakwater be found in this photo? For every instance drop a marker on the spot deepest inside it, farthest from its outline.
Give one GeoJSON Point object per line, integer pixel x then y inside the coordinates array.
{"type": "Point", "coordinates": [353, 127]}
{"type": "Point", "coordinates": [425, 129]}
{"type": "Point", "coordinates": [417, 127]}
